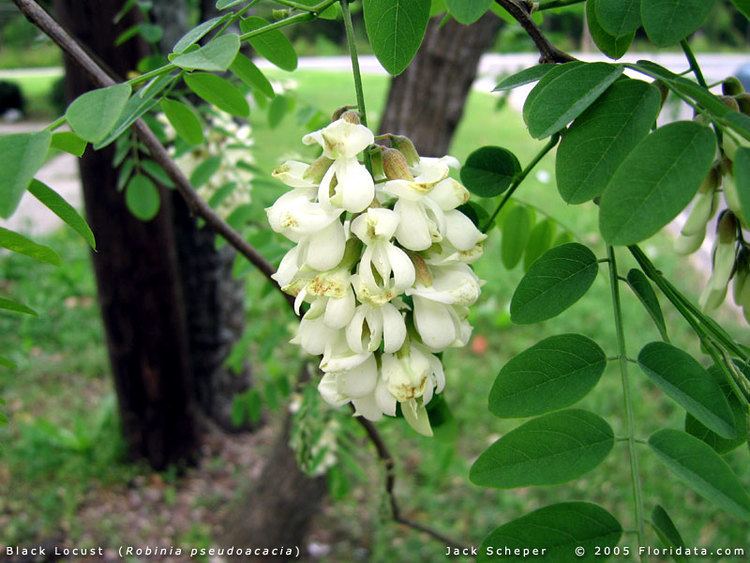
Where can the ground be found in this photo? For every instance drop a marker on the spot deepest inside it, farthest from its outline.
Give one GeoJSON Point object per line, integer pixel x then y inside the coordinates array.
{"type": "Point", "coordinates": [63, 478]}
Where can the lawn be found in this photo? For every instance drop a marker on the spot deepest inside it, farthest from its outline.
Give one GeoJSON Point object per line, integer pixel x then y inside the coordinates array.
{"type": "Point", "coordinates": [63, 379]}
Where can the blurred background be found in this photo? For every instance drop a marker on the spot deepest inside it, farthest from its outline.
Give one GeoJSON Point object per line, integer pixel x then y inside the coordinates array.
{"type": "Point", "coordinates": [150, 405]}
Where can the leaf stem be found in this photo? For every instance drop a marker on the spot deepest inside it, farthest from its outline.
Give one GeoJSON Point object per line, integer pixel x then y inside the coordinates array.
{"type": "Point", "coordinates": [558, 4]}
{"type": "Point", "coordinates": [59, 122]}
{"type": "Point", "coordinates": [693, 62]}
{"type": "Point", "coordinates": [520, 178]}
{"type": "Point", "coordinates": [356, 73]}
{"type": "Point", "coordinates": [630, 418]}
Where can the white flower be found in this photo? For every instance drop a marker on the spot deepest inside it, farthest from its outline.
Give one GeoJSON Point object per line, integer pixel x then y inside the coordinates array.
{"type": "Point", "coordinates": [330, 290]}
{"type": "Point", "coordinates": [313, 335]}
{"type": "Point", "coordinates": [292, 173]}
{"type": "Point", "coordinates": [347, 185]}
{"type": "Point", "coordinates": [341, 139]}
{"type": "Point", "coordinates": [372, 324]}
{"type": "Point", "coordinates": [392, 265]}
{"type": "Point", "coordinates": [440, 309]}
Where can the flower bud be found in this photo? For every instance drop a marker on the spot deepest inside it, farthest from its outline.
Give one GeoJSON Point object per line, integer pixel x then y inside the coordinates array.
{"type": "Point", "coordinates": [730, 102]}
{"type": "Point", "coordinates": [741, 277]}
{"type": "Point", "coordinates": [395, 165]}
{"type": "Point", "coordinates": [407, 148]}
{"type": "Point", "coordinates": [743, 100]}
{"type": "Point", "coordinates": [687, 244]}
{"type": "Point", "coordinates": [704, 206]}
{"type": "Point", "coordinates": [339, 112]}
{"type": "Point", "coordinates": [351, 116]}
{"type": "Point", "coordinates": [732, 86]}
{"type": "Point", "coordinates": [731, 195]}
{"type": "Point", "coordinates": [727, 228]}
{"type": "Point", "coordinates": [376, 162]}
{"type": "Point", "coordinates": [317, 170]}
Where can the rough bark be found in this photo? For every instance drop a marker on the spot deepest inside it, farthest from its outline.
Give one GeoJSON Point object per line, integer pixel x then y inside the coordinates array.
{"type": "Point", "coordinates": [279, 508]}
{"type": "Point", "coordinates": [136, 271]}
{"type": "Point", "coordinates": [214, 300]}
{"type": "Point", "coordinates": [427, 101]}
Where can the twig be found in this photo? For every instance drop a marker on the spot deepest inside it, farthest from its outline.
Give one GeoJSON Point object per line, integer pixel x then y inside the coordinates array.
{"type": "Point", "coordinates": [40, 18]}
{"type": "Point", "coordinates": [547, 51]}
{"type": "Point", "coordinates": [390, 483]}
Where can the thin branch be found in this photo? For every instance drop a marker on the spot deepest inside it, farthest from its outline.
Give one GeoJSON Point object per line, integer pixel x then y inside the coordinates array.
{"type": "Point", "coordinates": [547, 51]}
{"type": "Point", "coordinates": [40, 18]}
{"type": "Point", "coordinates": [390, 483]}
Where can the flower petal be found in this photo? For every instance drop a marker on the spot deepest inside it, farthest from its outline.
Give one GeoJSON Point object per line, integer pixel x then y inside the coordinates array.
{"type": "Point", "coordinates": [461, 232]}
{"type": "Point", "coordinates": [355, 189]}
{"type": "Point", "coordinates": [360, 380]}
{"type": "Point", "coordinates": [326, 248]}
{"type": "Point", "coordinates": [413, 230]}
{"type": "Point", "coordinates": [434, 323]}
{"type": "Point", "coordinates": [394, 328]}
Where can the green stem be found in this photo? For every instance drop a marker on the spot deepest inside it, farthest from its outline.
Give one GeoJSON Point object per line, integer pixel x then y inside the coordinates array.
{"type": "Point", "coordinates": [355, 61]}
{"type": "Point", "coordinates": [59, 122]}
{"type": "Point", "coordinates": [693, 62]}
{"type": "Point", "coordinates": [703, 325]}
{"type": "Point", "coordinates": [520, 178]}
{"type": "Point", "coordinates": [630, 418]}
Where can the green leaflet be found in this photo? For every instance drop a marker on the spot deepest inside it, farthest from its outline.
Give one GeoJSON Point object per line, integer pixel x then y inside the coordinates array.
{"type": "Point", "coordinates": [553, 283]}
{"type": "Point", "coordinates": [142, 197]}
{"type": "Point", "coordinates": [614, 46]}
{"type": "Point", "coordinates": [666, 530]}
{"type": "Point", "coordinates": [55, 203]}
{"type": "Point", "coordinates": [548, 450]}
{"type": "Point", "coordinates": [20, 244]}
{"type": "Point", "coordinates": [197, 33]}
{"type": "Point", "coordinates": [640, 285]}
{"type": "Point", "coordinates": [558, 528]}
{"type": "Point", "coordinates": [489, 171]}
{"type": "Point", "coordinates": [69, 142]}
{"type": "Point", "coordinates": [215, 55]}
{"type": "Point", "coordinates": [553, 374]}
{"type": "Point", "coordinates": [669, 21]}
{"type": "Point", "coordinates": [219, 92]}
{"type": "Point", "coordinates": [516, 227]}
{"type": "Point", "coordinates": [468, 11]}
{"type": "Point", "coordinates": [95, 113]}
{"type": "Point", "coordinates": [719, 444]}
{"type": "Point", "coordinates": [701, 468]}
{"type": "Point", "coordinates": [686, 382]}
{"type": "Point", "coordinates": [246, 70]}
{"type": "Point", "coordinates": [23, 155]}
{"type": "Point", "coordinates": [619, 17]}
{"type": "Point", "coordinates": [602, 137]}
{"type": "Point", "coordinates": [564, 94]}
{"type": "Point", "coordinates": [525, 76]}
{"type": "Point", "coordinates": [272, 45]}
{"type": "Point", "coordinates": [16, 307]}
{"type": "Point", "coordinates": [540, 241]}
{"type": "Point", "coordinates": [396, 29]}
{"type": "Point", "coordinates": [655, 182]}
{"type": "Point", "coordinates": [184, 120]}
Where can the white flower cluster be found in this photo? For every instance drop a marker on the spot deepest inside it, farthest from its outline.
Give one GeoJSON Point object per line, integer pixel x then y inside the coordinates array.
{"type": "Point", "coordinates": [231, 144]}
{"type": "Point", "coordinates": [731, 253]}
{"type": "Point", "coordinates": [382, 259]}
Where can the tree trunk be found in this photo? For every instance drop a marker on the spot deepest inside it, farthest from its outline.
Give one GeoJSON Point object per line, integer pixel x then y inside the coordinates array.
{"type": "Point", "coordinates": [278, 509]}
{"type": "Point", "coordinates": [214, 300]}
{"type": "Point", "coordinates": [136, 270]}
{"type": "Point", "coordinates": [427, 101]}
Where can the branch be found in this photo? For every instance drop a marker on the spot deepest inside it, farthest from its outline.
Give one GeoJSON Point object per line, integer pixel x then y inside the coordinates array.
{"type": "Point", "coordinates": [41, 19]}
{"type": "Point", "coordinates": [390, 484]}
{"type": "Point", "coordinates": [547, 51]}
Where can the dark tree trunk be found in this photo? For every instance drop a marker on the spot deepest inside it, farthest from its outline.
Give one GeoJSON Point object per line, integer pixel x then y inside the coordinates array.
{"type": "Point", "coordinates": [280, 506]}
{"type": "Point", "coordinates": [427, 101]}
{"type": "Point", "coordinates": [214, 300]}
{"type": "Point", "coordinates": [137, 272]}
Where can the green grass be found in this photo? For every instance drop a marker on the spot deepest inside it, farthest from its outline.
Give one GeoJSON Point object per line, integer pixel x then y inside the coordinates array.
{"type": "Point", "coordinates": [63, 374]}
